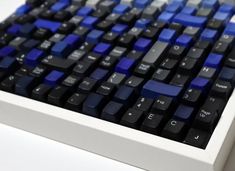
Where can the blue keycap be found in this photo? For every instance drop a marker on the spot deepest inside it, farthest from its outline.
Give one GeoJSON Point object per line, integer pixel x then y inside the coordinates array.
{"type": "Point", "coordinates": [125, 65]}
{"type": "Point", "coordinates": [184, 113]}
{"type": "Point", "coordinates": [93, 104]}
{"type": "Point", "coordinates": [14, 29]}
{"type": "Point", "coordinates": [167, 35]}
{"type": "Point", "coordinates": [227, 8]}
{"type": "Point", "coordinates": [189, 10]}
{"type": "Point", "coordinates": [227, 74]}
{"type": "Point", "coordinates": [166, 17]}
{"type": "Point", "coordinates": [102, 48]}
{"type": "Point", "coordinates": [46, 24]}
{"type": "Point", "coordinates": [89, 22]}
{"type": "Point", "coordinates": [222, 16]}
{"type": "Point", "coordinates": [53, 78]}
{"type": "Point", "coordinates": [58, 6]}
{"type": "Point", "coordinates": [142, 44]}
{"type": "Point", "coordinates": [22, 85]}
{"type": "Point", "coordinates": [184, 40]}
{"type": "Point", "coordinates": [7, 51]}
{"type": "Point", "coordinates": [213, 60]}
{"type": "Point", "coordinates": [209, 35]}
{"type": "Point", "coordinates": [119, 28]}
{"type": "Point", "coordinates": [121, 9]}
{"type": "Point", "coordinates": [230, 29]}
{"type": "Point", "coordinates": [23, 9]}
{"type": "Point", "coordinates": [113, 111]}
{"type": "Point", "coordinates": [152, 89]}
{"type": "Point", "coordinates": [6, 63]}
{"type": "Point", "coordinates": [174, 7]}
{"type": "Point", "coordinates": [141, 3]}
{"type": "Point", "coordinates": [142, 23]}
{"type": "Point", "coordinates": [61, 49]}
{"type": "Point", "coordinates": [210, 3]}
{"type": "Point", "coordinates": [99, 74]}
{"type": "Point", "coordinates": [94, 36]}
{"type": "Point", "coordinates": [189, 20]}
{"type": "Point", "coordinates": [84, 11]}
{"type": "Point", "coordinates": [33, 57]}
{"type": "Point", "coordinates": [124, 94]}
{"type": "Point", "coordinates": [72, 39]}
{"type": "Point", "coordinates": [200, 83]}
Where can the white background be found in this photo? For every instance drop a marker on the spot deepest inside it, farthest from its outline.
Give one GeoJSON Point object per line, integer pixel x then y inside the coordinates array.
{"type": "Point", "coordinates": [22, 151]}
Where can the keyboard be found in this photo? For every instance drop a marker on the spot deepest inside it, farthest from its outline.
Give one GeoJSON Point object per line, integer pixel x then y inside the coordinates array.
{"type": "Point", "coordinates": [143, 82]}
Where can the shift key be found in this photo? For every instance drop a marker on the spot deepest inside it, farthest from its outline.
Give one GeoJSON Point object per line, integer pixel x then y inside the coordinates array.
{"type": "Point", "coordinates": [156, 52]}
{"type": "Point", "coordinates": [58, 63]}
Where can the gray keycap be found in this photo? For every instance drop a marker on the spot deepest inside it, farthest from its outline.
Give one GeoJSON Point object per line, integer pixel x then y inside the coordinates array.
{"type": "Point", "coordinates": [156, 52]}
{"type": "Point", "coordinates": [57, 37]}
{"type": "Point", "coordinates": [150, 12]}
{"type": "Point", "coordinates": [136, 31]}
{"type": "Point", "coordinates": [118, 52]}
{"type": "Point", "coordinates": [116, 78]}
{"type": "Point", "coordinates": [113, 17]}
{"type": "Point", "coordinates": [17, 42]}
{"type": "Point", "coordinates": [207, 72]}
{"type": "Point", "coordinates": [107, 5]}
{"type": "Point", "coordinates": [79, 2]}
{"type": "Point", "coordinates": [192, 31]}
{"type": "Point", "coordinates": [76, 20]}
{"type": "Point", "coordinates": [76, 55]}
{"type": "Point", "coordinates": [72, 9]}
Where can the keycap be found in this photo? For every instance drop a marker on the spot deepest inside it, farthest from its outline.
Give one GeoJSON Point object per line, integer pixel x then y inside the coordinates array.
{"type": "Point", "coordinates": [106, 89]}
{"type": "Point", "coordinates": [58, 95]}
{"type": "Point", "coordinates": [184, 113]}
{"type": "Point", "coordinates": [25, 85]}
{"type": "Point", "coordinates": [222, 89]}
{"type": "Point", "coordinates": [87, 85]}
{"type": "Point", "coordinates": [132, 118]}
{"type": "Point", "coordinates": [124, 95]}
{"type": "Point", "coordinates": [143, 104]}
{"type": "Point", "coordinates": [152, 89]}
{"type": "Point", "coordinates": [163, 105]}
{"type": "Point", "coordinates": [167, 35]}
{"type": "Point", "coordinates": [112, 111]}
{"type": "Point", "coordinates": [41, 92]}
{"type": "Point", "coordinates": [53, 77]}
{"type": "Point", "coordinates": [189, 20]}
{"type": "Point", "coordinates": [75, 102]}
{"type": "Point", "coordinates": [93, 104]}
{"type": "Point", "coordinates": [46, 24]}
{"type": "Point", "coordinates": [152, 123]}
{"type": "Point", "coordinates": [33, 57]}
{"type": "Point", "coordinates": [125, 65]}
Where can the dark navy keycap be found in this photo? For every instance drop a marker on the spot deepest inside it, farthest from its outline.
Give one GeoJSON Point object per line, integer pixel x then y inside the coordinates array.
{"type": "Point", "coordinates": [125, 65]}
{"type": "Point", "coordinates": [102, 48]}
{"type": "Point", "coordinates": [94, 36]}
{"type": "Point", "coordinates": [99, 74]}
{"type": "Point", "coordinates": [29, 44]}
{"type": "Point", "coordinates": [121, 9]}
{"type": "Point", "coordinates": [142, 44]}
{"type": "Point", "coordinates": [141, 3]}
{"type": "Point", "coordinates": [93, 104]}
{"type": "Point", "coordinates": [89, 22]}
{"type": "Point", "coordinates": [84, 11]}
{"type": "Point", "coordinates": [167, 35]}
{"type": "Point", "coordinates": [53, 77]}
{"type": "Point", "coordinates": [112, 111]}
{"type": "Point", "coordinates": [7, 64]}
{"type": "Point", "coordinates": [119, 28]}
{"type": "Point", "coordinates": [27, 29]}
{"type": "Point", "coordinates": [72, 40]}
{"type": "Point", "coordinates": [227, 74]}
{"type": "Point", "coordinates": [189, 10]}
{"type": "Point", "coordinates": [189, 20]}
{"type": "Point", "coordinates": [14, 29]}
{"type": "Point", "coordinates": [24, 85]}
{"type": "Point", "coordinates": [184, 40]}
{"type": "Point", "coordinates": [46, 24]}
{"type": "Point", "coordinates": [152, 89]}
{"type": "Point", "coordinates": [184, 113]}
{"type": "Point", "coordinates": [200, 83]}
{"type": "Point", "coordinates": [209, 35]}
{"type": "Point", "coordinates": [7, 51]}
{"type": "Point", "coordinates": [125, 95]}
{"type": "Point", "coordinates": [60, 49]}
{"type": "Point", "coordinates": [23, 9]}
{"type": "Point", "coordinates": [58, 6]}
{"type": "Point", "coordinates": [33, 57]}
{"type": "Point", "coordinates": [166, 17]}
{"type": "Point", "coordinates": [213, 60]}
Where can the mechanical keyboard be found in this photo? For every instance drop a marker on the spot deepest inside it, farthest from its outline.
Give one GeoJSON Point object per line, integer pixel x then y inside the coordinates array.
{"type": "Point", "coordinates": [144, 82]}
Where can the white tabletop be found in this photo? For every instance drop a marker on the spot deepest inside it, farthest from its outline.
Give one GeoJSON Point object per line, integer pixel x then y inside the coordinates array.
{"type": "Point", "coordinates": [22, 151]}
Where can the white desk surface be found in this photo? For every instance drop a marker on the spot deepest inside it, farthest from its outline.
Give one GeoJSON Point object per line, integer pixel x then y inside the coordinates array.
{"type": "Point", "coordinates": [22, 151]}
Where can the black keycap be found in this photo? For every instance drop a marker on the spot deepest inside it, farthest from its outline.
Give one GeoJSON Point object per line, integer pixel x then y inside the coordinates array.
{"type": "Point", "coordinates": [58, 95]}
{"type": "Point", "coordinates": [132, 118]}
{"type": "Point", "coordinates": [82, 68]}
{"type": "Point", "coordinates": [163, 105]}
{"type": "Point", "coordinates": [46, 45]}
{"type": "Point", "coordinates": [192, 97]}
{"type": "Point", "coordinates": [126, 40]}
{"type": "Point", "coordinates": [82, 31]}
{"type": "Point", "coordinates": [188, 65]}
{"type": "Point", "coordinates": [162, 75]}
{"type": "Point", "coordinates": [93, 104]}
{"type": "Point", "coordinates": [209, 114]}
{"type": "Point", "coordinates": [177, 52]}
{"type": "Point", "coordinates": [197, 138]}
{"type": "Point", "coordinates": [196, 53]}
{"type": "Point", "coordinates": [151, 32]}
{"type": "Point", "coordinates": [25, 85]}
{"type": "Point", "coordinates": [169, 64]}
{"type": "Point", "coordinates": [99, 13]}
{"type": "Point", "coordinates": [207, 72]}
{"type": "Point", "coordinates": [87, 85]}
{"type": "Point", "coordinates": [108, 62]}
{"type": "Point", "coordinates": [104, 25]}
{"type": "Point", "coordinates": [135, 82]}
{"type": "Point", "coordinates": [41, 92]}
{"type": "Point", "coordinates": [221, 48]}
{"type": "Point", "coordinates": [8, 84]}
{"type": "Point", "coordinates": [113, 111]}
{"type": "Point", "coordinates": [42, 34]}
{"type": "Point", "coordinates": [203, 44]}
{"type": "Point", "coordinates": [143, 70]}
{"type": "Point", "coordinates": [58, 63]}
{"type": "Point", "coordinates": [71, 81]}
{"type": "Point", "coordinates": [174, 130]}
{"type": "Point", "coordinates": [128, 18]}
{"type": "Point", "coordinates": [137, 55]}
{"type": "Point", "coordinates": [117, 78]}
{"type": "Point", "coordinates": [221, 89]}
{"type": "Point", "coordinates": [153, 123]}
{"type": "Point", "coordinates": [62, 16]}
{"type": "Point", "coordinates": [75, 102]}
{"type": "Point", "coordinates": [66, 28]}
{"type": "Point", "coordinates": [180, 79]}
{"type": "Point", "coordinates": [215, 24]}
{"type": "Point", "coordinates": [106, 89]}
{"type": "Point", "coordinates": [48, 14]}
{"type": "Point", "coordinates": [39, 72]}
{"type": "Point", "coordinates": [110, 37]}
{"type": "Point", "coordinates": [143, 104]}
{"type": "Point", "coordinates": [230, 60]}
